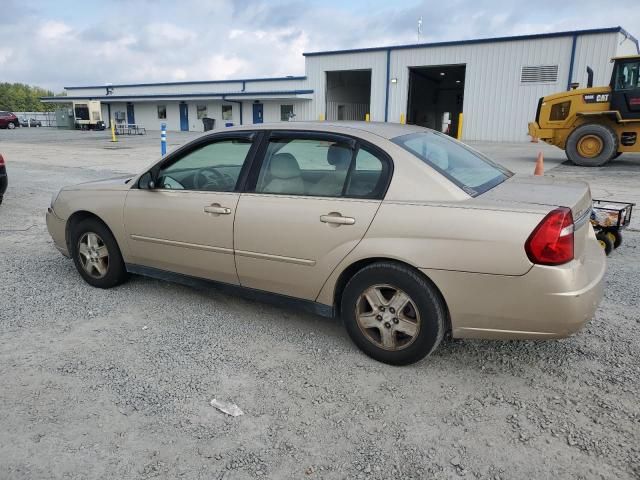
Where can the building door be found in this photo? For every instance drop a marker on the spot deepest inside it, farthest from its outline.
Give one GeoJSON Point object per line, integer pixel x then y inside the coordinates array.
{"type": "Point", "coordinates": [184, 117]}
{"type": "Point", "coordinates": [436, 97]}
{"type": "Point", "coordinates": [257, 113]}
{"type": "Point", "coordinates": [131, 117]}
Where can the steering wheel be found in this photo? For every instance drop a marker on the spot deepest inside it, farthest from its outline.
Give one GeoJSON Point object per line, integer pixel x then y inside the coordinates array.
{"type": "Point", "coordinates": [210, 176]}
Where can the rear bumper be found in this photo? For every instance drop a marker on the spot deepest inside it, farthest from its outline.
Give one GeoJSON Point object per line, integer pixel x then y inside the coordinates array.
{"type": "Point", "coordinates": [546, 302]}
{"type": "Point", "coordinates": [57, 230]}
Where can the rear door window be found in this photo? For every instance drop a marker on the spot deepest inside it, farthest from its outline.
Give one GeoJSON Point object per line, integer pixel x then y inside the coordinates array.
{"type": "Point", "coordinates": [322, 166]}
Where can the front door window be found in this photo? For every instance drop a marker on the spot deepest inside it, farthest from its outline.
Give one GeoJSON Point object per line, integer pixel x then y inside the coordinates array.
{"type": "Point", "coordinates": [212, 168]}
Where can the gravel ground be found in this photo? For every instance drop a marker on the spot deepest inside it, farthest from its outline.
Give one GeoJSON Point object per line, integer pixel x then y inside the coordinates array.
{"type": "Point", "coordinates": [117, 383]}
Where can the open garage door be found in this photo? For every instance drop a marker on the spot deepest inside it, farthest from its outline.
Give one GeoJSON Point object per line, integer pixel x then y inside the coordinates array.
{"type": "Point", "coordinates": [436, 95]}
{"type": "Point", "coordinates": [348, 94]}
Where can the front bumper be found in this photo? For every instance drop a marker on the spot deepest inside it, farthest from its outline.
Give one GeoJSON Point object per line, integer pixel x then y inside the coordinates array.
{"type": "Point", "coordinates": [546, 302]}
{"type": "Point", "coordinates": [57, 230]}
{"type": "Point", "coordinates": [536, 132]}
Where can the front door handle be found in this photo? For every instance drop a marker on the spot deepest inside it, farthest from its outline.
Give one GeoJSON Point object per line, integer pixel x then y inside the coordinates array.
{"type": "Point", "coordinates": [336, 218]}
{"type": "Point", "coordinates": [217, 208]}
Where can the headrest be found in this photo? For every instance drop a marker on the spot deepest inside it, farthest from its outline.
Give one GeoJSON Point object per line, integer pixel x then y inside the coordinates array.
{"type": "Point", "coordinates": [284, 165]}
{"type": "Point", "coordinates": [340, 156]}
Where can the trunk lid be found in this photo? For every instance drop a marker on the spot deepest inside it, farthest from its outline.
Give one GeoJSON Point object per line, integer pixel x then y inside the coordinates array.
{"type": "Point", "coordinates": [548, 191]}
{"type": "Point", "coordinates": [530, 192]}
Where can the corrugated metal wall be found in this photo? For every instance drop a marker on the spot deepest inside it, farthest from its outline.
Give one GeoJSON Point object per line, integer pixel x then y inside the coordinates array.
{"type": "Point", "coordinates": [351, 111]}
{"type": "Point", "coordinates": [497, 105]}
{"type": "Point", "coordinates": [317, 66]}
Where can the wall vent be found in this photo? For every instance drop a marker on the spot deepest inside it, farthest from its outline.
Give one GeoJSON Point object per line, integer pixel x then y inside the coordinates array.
{"type": "Point", "coordinates": [539, 74]}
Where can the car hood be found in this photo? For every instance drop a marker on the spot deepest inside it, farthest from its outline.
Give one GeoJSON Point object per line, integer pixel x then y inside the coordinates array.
{"type": "Point", "coordinates": [118, 183]}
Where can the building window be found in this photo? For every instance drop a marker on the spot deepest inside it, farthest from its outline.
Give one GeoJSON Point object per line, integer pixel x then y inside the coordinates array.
{"type": "Point", "coordinates": [286, 113]}
{"type": "Point", "coordinates": [162, 112]}
{"type": "Point", "coordinates": [539, 74]}
{"type": "Point", "coordinates": [202, 111]}
{"type": "Point", "coordinates": [227, 112]}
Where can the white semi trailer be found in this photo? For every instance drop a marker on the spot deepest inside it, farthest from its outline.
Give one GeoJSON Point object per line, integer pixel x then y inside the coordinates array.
{"type": "Point", "coordinates": [88, 115]}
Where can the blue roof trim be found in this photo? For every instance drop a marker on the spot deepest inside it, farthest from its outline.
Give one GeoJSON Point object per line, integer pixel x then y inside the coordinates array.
{"type": "Point", "coordinates": [197, 82]}
{"type": "Point", "coordinates": [476, 41]}
{"type": "Point", "coordinates": [179, 95]}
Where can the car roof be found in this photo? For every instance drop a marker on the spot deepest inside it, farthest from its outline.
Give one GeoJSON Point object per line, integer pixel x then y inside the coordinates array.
{"type": "Point", "coordinates": [382, 129]}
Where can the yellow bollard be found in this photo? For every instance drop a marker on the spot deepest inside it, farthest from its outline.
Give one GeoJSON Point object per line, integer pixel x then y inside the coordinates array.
{"type": "Point", "coordinates": [459, 132]}
{"type": "Point", "coordinates": [113, 131]}
{"type": "Point", "coordinates": [321, 117]}
{"type": "Point", "coordinates": [402, 118]}
{"type": "Point", "coordinates": [366, 117]}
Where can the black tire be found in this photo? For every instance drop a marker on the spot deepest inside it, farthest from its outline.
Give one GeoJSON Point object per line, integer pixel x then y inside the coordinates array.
{"type": "Point", "coordinates": [606, 135]}
{"type": "Point", "coordinates": [12, 125]}
{"type": "Point", "coordinates": [431, 313]}
{"type": "Point", "coordinates": [605, 242]}
{"type": "Point", "coordinates": [116, 272]}
{"type": "Point", "coordinates": [616, 235]}
{"type": "Point", "coordinates": [617, 154]}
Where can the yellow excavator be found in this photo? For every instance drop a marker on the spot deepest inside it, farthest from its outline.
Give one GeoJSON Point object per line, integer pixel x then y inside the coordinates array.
{"type": "Point", "coordinates": [595, 124]}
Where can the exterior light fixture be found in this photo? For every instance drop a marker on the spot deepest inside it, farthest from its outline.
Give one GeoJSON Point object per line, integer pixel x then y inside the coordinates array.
{"type": "Point", "coordinates": [442, 74]}
{"type": "Point", "coordinates": [394, 80]}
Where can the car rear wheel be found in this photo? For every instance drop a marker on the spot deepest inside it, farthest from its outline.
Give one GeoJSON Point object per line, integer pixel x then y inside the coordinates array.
{"type": "Point", "coordinates": [96, 254]}
{"type": "Point", "coordinates": [592, 145]}
{"type": "Point", "coordinates": [393, 314]}
{"type": "Point", "coordinates": [11, 126]}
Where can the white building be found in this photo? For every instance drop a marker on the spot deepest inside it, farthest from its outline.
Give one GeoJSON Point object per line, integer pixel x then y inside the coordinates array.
{"type": "Point", "coordinates": [494, 82]}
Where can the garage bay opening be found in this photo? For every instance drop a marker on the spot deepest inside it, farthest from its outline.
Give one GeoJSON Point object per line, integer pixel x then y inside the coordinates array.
{"type": "Point", "coordinates": [348, 94]}
{"type": "Point", "coordinates": [436, 95]}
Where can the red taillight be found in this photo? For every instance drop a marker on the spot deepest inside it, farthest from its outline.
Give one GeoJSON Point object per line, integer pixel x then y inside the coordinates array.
{"type": "Point", "coordinates": [1, 160]}
{"type": "Point", "coordinates": [551, 243]}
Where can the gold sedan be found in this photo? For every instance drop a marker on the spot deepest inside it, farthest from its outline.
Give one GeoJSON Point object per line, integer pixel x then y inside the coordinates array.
{"type": "Point", "coordinates": [401, 231]}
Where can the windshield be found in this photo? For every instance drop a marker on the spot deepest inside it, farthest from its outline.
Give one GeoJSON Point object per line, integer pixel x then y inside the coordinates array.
{"type": "Point", "coordinates": [468, 169]}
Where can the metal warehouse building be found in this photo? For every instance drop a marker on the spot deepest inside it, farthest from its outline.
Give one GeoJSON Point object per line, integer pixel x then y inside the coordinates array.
{"type": "Point", "coordinates": [494, 82]}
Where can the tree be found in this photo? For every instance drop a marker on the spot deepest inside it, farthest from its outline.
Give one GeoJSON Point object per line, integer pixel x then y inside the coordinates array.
{"type": "Point", "coordinates": [18, 97]}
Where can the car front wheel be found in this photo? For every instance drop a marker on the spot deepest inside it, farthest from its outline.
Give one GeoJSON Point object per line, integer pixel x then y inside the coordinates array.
{"type": "Point", "coordinates": [11, 126]}
{"type": "Point", "coordinates": [393, 314]}
{"type": "Point", "coordinates": [96, 254]}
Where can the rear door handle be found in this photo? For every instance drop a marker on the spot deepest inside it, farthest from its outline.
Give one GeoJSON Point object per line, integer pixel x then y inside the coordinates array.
{"type": "Point", "coordinates": [217, 208]}
{"type": "Point", "coordinates": [337, 219]}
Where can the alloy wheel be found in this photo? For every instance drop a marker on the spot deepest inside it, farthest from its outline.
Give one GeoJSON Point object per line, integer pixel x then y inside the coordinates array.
{"type": "Point", "coordinates": [93, 255]}
{"type": "Point", "coordinates": [388, 317]}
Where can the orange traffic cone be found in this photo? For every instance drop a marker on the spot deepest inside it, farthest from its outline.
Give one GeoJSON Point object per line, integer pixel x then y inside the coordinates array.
{"type": "Point", "coordinates": [539, 170]}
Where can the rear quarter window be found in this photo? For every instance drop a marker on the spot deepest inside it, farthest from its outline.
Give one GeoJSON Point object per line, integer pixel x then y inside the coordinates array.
{"type": "Point", "coordinates": [468, 169]}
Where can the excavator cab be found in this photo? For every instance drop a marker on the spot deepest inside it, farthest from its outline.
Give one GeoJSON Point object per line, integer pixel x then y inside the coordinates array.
{"type": "Point", "coordinates": [625, 87]}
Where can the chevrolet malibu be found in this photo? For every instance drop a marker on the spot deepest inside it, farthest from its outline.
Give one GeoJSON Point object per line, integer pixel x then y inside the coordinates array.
{"type": "Point", "coordinates": [404, 233]}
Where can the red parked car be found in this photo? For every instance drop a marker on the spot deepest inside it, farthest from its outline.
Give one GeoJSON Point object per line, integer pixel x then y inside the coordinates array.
{"type": "Point", "coordinates": [8, 120]}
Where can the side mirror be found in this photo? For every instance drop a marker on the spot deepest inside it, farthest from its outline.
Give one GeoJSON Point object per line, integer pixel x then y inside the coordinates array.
{"type": "Point", "coordinates": [146, 182]}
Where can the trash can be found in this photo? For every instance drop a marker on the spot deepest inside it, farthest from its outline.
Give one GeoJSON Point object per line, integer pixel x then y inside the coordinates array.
{"type": "Point", "coordinates": [208, 123]}
{"type": "Point", "coordinates": [228, 124]}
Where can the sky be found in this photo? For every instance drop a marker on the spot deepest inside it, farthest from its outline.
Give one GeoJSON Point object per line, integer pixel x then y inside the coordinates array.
{"type": "Point", "coordinates": [53, 44]}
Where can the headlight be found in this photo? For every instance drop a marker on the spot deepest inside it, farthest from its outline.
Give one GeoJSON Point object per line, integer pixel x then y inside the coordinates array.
{"type": "Point", "coordinates": [560, 111]}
